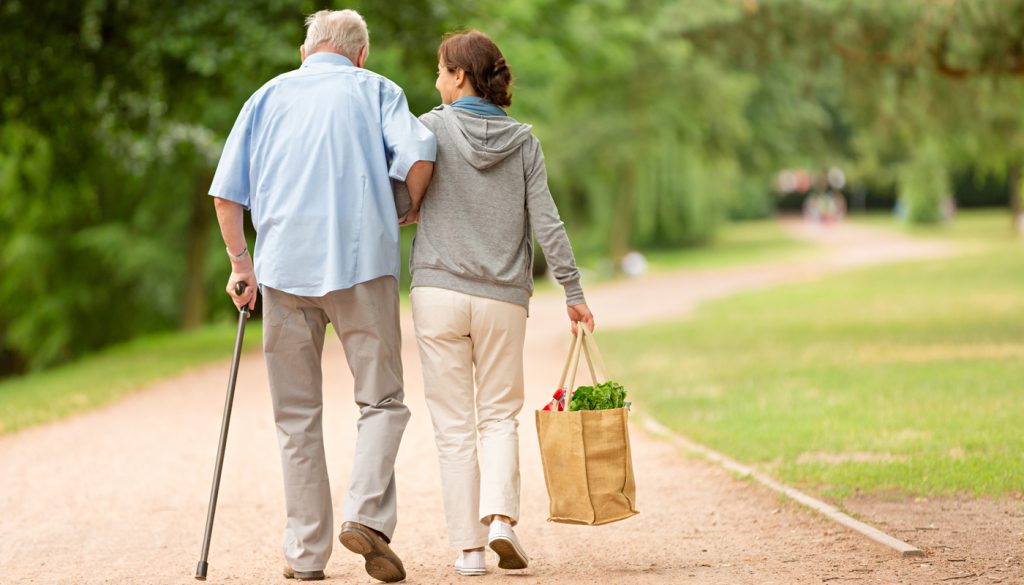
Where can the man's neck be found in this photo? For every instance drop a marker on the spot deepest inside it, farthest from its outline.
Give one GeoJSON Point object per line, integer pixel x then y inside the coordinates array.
{"type": "Point", "coordinates": [328, 50]}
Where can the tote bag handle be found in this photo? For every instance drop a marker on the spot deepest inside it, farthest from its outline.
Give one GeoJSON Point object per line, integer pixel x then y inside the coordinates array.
{"type": "Point", "coordinates": [594, 357]}
{"type": "Point", "coordinates": [584, 339]}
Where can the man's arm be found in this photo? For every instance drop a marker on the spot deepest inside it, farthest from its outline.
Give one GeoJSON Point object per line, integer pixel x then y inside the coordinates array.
{"type": "Point", "coordinates": [230, 189]}
{"type": "Point", "coordinates": [231, 217]}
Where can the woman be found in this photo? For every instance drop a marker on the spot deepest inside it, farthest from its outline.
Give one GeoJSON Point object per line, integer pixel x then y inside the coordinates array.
{"type": "Point", "coordinates": [472, 279]}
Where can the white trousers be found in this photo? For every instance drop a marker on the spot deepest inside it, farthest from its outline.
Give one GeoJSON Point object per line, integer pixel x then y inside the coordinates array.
{"type": "Point", "coordinates": [465, 341]}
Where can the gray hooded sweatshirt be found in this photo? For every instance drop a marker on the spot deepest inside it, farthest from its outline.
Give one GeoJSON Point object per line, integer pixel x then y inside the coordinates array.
{"type": "Point", "coordinates": [489, 197]}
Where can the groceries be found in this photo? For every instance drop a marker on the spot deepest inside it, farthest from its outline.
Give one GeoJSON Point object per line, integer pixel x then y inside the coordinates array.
{"type": "Point", "coordinates": [603, 396]}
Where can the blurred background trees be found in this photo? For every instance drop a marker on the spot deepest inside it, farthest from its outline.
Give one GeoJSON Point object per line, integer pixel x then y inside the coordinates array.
{"type": "Point", "coordinates": [660, 120]}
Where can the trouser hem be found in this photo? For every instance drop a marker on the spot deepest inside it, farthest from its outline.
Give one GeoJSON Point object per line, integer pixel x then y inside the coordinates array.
{"type": "Point", "coordinates": [317, 568]}
{"type": "Point", "coordinates": [377, 525]}
{"type": "Point", "coordinates": [513, 516]}
{"type": "Point", "coordinates": [462, 545]}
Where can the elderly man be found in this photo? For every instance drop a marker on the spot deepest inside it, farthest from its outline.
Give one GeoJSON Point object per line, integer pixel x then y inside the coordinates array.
{"type": "Point", "coordinates": [311, 155]}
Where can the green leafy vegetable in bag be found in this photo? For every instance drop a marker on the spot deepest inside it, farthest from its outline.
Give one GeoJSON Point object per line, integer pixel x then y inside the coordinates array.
{"type": "Point", "coordinates": [604, 396]}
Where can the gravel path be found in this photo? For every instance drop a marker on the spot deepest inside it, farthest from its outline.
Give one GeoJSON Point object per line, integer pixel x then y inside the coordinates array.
{"type": "Point", "coordinates": [118, 495]}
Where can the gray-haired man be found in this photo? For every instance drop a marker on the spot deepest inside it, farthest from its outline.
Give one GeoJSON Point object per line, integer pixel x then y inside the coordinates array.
{"type": "Point", "coordinates": [309, 156]}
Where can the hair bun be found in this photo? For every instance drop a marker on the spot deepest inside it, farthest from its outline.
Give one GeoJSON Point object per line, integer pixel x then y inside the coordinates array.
{"type": "Point", "coordinates": [485, 66]}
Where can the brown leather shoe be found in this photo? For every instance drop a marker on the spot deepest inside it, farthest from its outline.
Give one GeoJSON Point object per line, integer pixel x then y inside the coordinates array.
{"type": "Point", "coordinates": [381, 562]}
{"type": "Point", "coordinates": [290, 573]}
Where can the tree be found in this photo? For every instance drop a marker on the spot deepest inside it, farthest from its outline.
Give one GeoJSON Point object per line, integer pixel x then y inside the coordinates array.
{"type": "Point", "coordinates": [911, 77]}
{"type": "Point", "coordinates": [105, 132]}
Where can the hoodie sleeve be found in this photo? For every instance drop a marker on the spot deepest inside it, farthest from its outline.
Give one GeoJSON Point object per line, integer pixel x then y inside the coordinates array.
{"type": "Point", "coordinates": [547, 225]}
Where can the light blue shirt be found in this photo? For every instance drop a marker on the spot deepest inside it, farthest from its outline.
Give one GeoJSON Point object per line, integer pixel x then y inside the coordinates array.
{"type": "Point", "coordinates": [309, 157]}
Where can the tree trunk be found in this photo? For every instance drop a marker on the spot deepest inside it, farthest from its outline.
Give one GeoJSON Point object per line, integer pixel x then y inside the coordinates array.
{"type": "Point", "coordinates": [1014, 178]}
{"type": "Point", "coordinates": [622, 231]}
{"type": "Point", "coordinates": [195, 299]}
{"type": "Point", "coordinates": [11, 362]}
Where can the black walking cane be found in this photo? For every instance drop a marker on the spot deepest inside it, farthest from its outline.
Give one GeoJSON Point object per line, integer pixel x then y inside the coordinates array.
{"type": "Point", "coordinates": [243, 314]}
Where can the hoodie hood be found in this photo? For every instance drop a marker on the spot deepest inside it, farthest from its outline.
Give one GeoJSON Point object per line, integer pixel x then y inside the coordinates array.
{"type": "Point", "coordinates": [483, 141]}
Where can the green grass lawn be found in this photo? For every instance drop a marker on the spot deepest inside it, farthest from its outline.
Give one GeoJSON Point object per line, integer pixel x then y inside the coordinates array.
{"type": "Point", "coordinates": [112, 373]}
{"type": "Point", "coordinates": [890, 380]}
{"type": "Point", "coordinates": [985, 226]}
{"type": "Point", "coordinates": [741, 243]}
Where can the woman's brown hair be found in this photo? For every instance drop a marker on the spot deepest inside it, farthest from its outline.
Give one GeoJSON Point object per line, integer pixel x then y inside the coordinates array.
{"type": "Point", "coordinates": [481, 59]}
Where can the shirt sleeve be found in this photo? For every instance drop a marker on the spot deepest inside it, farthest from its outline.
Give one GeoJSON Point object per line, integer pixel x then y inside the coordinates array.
{"type": "Point", "coordinates": [406, 138]}
{"type": "Point", "coordinates": [231, 181]}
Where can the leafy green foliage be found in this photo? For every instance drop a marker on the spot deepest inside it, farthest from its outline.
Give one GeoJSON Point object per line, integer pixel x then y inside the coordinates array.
{"type": "Point", "coordinates": [603, 396]}
{"type": "Point", "coordinates": [109, 115]}
{"type": "Point", "coordinates": [634, 151]}
{"type": "Point", "coordinates": [924, 185]}
{"type": "Point", "coordinates": [880, 88]}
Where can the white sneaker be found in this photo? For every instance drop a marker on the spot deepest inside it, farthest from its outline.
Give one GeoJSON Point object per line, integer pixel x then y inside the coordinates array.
{"type": "Point", "coordinates": [471, 564]}
{"type": "Point", "coordinates": [503, 541]}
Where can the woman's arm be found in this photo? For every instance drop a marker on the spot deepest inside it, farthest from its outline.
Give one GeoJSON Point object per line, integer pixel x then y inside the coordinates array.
{"type": "Point", "coordinates": [409, 193]}
{"type": "Point", "coordinates": [550, 233]}
{"type": "Point", "coordinates": [417, 182]}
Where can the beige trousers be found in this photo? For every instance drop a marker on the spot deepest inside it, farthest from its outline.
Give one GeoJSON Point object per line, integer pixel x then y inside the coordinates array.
{"type": "Point", "coordinates": [465, 339]}
{"type": "Point", "coordinates": [365, 318]}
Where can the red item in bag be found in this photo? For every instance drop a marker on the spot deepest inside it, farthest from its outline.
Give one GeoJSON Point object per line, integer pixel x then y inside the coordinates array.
{"type": "Point", "coordinates": [558, 402]}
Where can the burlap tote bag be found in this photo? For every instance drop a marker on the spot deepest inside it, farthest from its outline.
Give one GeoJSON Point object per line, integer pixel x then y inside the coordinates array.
{"type": "Point", "coordinates": [587, 464]}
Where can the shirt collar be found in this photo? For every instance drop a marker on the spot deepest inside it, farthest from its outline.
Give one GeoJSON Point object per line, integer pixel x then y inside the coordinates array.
{"type": "Point", "coordinates": [328, 59]}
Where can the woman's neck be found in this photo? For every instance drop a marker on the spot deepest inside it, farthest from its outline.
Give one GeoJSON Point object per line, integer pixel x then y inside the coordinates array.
{"type": "Point", "coordinates": [466, 92]}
